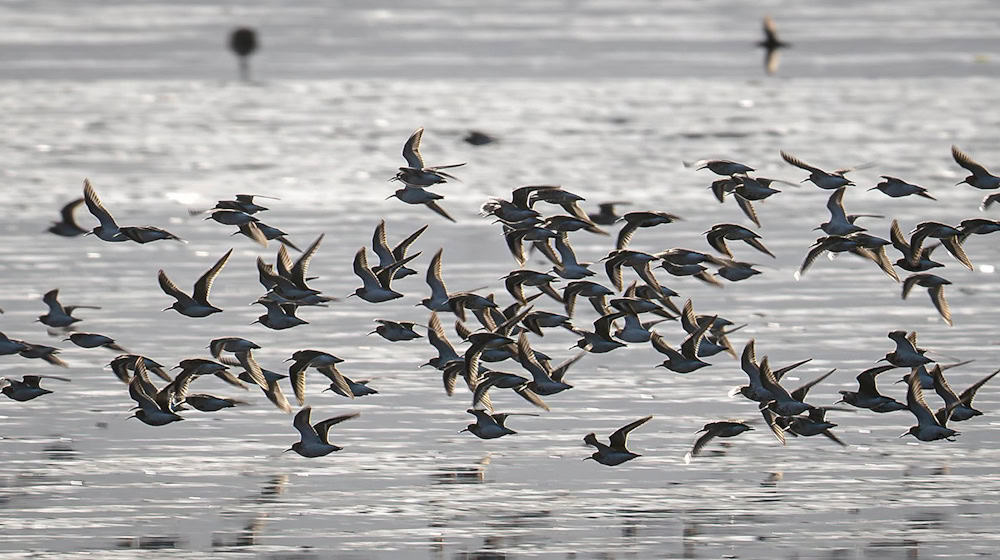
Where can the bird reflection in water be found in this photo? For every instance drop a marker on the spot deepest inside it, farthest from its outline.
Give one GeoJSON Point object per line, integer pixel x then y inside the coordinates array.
{"type": "Point", "coordinates": [150, 542]}
{"type": "Point", "coordinates": [462, 475]}
{"type": "Point", "coordinates": [247, 536]}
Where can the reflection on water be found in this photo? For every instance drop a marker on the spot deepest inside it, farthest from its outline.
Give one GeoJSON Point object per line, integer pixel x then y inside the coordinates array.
{"type": "Point", "coordinates": [150, 542]}
{"type": "Point", "coordinates": [462, 474]}
{"type": "Point", "coordinates": [247, 536]}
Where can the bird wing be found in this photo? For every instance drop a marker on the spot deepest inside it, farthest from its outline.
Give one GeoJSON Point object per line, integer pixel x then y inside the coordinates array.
{"type": "Point", "coordinates": [661, 345]}
{"type": "Point", "coordinates": [171, 289]}
{"type": "Point", "coordinates": [323, 428]}
{"type": "Point", "coordinates": [436, 336]}
{"type": "Point", "coordinates": [625, 235]}
{"type": "Point", "coordinates": [770, 31]}
{"type": "Point", "coordinates": [619, 439]}
{"type": "Point", "coordinates": [799, 163]}
{"type": "Point", "coordinates": [433, 205]}
{"type": "Point", "coordinates": [283, 263]}
{"type": "Point", "coordinates": [800, 393]}
{"type": "Point", "coordinates": [252, 368]}
{"type": "Point", "coordinates": [385, 275]}
{"type": "Point", "coordinates": [748, 209]}
{"type": "Point", "coordinates": [716, 238]}
{"type": "Point", "coordinates": [67, 212]}
{"type": "Point", "coordinates": [514, 239]}
{"type": "Point", "coordinates": [411, 150]}
{"type": "Point", "coordinates": [204, 284]}
{"type": "Point", "coordinates": [363, 271]}
{"type": "Point", "coordinates": [602, 326]}
{"type": "Point", "coordinates": [898, 241]}
{"type": "Point", "coordinates": [688, 320]}
{"type": "Point", "coordinates": [749, 362]}
{"type": "Point", "coordinates": [301, 267]}
{"type": "Point", "coordinates": [530, 396]}
{"type": "Point", "coordinates": [399, 251]}
{"type": "Point", "coordinates": [613, 267]}
{"type": "Point", "coordinates": [301, 423]}
{"type": "Point", "coordinates": [916, 403]}
{"type": "Point", "coordinates": [381, 245]}
{"type": "Point", "coordinates": [937, 297]}
{"type": "Point", "coordinates": [274, 394]}
{"type": "Point", "coordinates": [252, 230]}
{"type": "Point", "coordinates": [558, 373]}
{"type": "Point", "coordinates": [910, 282]}
{"type": "Point", "coordinates": [51, 298]}
{"type": "Point", "coordinates": [942, 388]}
{"type": "Point", "coordinates": [137, 393]}
{"type": "Point", "coordinates": [568, 256]}
{"type": "Point", "coordinates": [770, 420]}
{"type": "Point", "coordinates": [813, 253]}
{"type": "Point", "coordinates": [770, 383]}
{"type": "Point", "coordinates": [779, 373]}
{"type": "Point", "coordinates": [968, 394]}
{"type": "Point", "coordinates": [95, 206]}
{"type": "Point", "coordinates": [333, 374]}
{"type": "Point", "coordinates": [835, 204]}
{"type": "Point", "coordinates": [480, 396]}
{"type": "Point", "coordinates": [954, 246]}
{"type": "Point", "coordinates": [967, 162]}
{"type": "Point", "coordinates": [689, 348]}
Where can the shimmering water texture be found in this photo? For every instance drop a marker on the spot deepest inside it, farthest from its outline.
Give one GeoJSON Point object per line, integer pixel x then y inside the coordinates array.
{"type": "Point", "coordinates": [77, 479]}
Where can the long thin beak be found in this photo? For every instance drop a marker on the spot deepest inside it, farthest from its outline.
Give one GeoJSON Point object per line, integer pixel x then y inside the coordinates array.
{"type": "Point", "coordinates": [904, 434]}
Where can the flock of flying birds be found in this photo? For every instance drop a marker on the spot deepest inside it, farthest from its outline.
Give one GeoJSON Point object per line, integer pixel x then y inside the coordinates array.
{"type": "Point", "coordinates": [502, 333]}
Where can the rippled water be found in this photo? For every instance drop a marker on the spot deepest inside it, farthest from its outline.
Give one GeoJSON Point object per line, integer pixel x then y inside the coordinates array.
{"type": "Point", "coordinates": [77, 479]}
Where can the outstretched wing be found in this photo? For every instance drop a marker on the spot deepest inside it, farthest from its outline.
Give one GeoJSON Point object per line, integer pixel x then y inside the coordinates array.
{"type": "Point", "coordinates": [619, 439]}
{"type": "Point", "coordinates": [411, 150]}
{"type": "Point", "coordinates": [204, 284]}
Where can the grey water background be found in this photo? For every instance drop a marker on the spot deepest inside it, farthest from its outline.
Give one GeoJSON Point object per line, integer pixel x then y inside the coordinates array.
{"type": "Point", "coordinates": [605, 98]}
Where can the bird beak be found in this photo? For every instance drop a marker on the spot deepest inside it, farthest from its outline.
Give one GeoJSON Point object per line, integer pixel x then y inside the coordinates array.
{"type": "Point", "coordinates": [873, 188]}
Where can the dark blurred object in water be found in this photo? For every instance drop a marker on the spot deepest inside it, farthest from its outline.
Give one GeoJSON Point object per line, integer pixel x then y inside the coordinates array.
{"type": "Point", "coordinates": [772, 46]}
{"type": "Point", "coordinates": [478, 138]}
{"type": "Point", "coordinates": [243, 42]}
